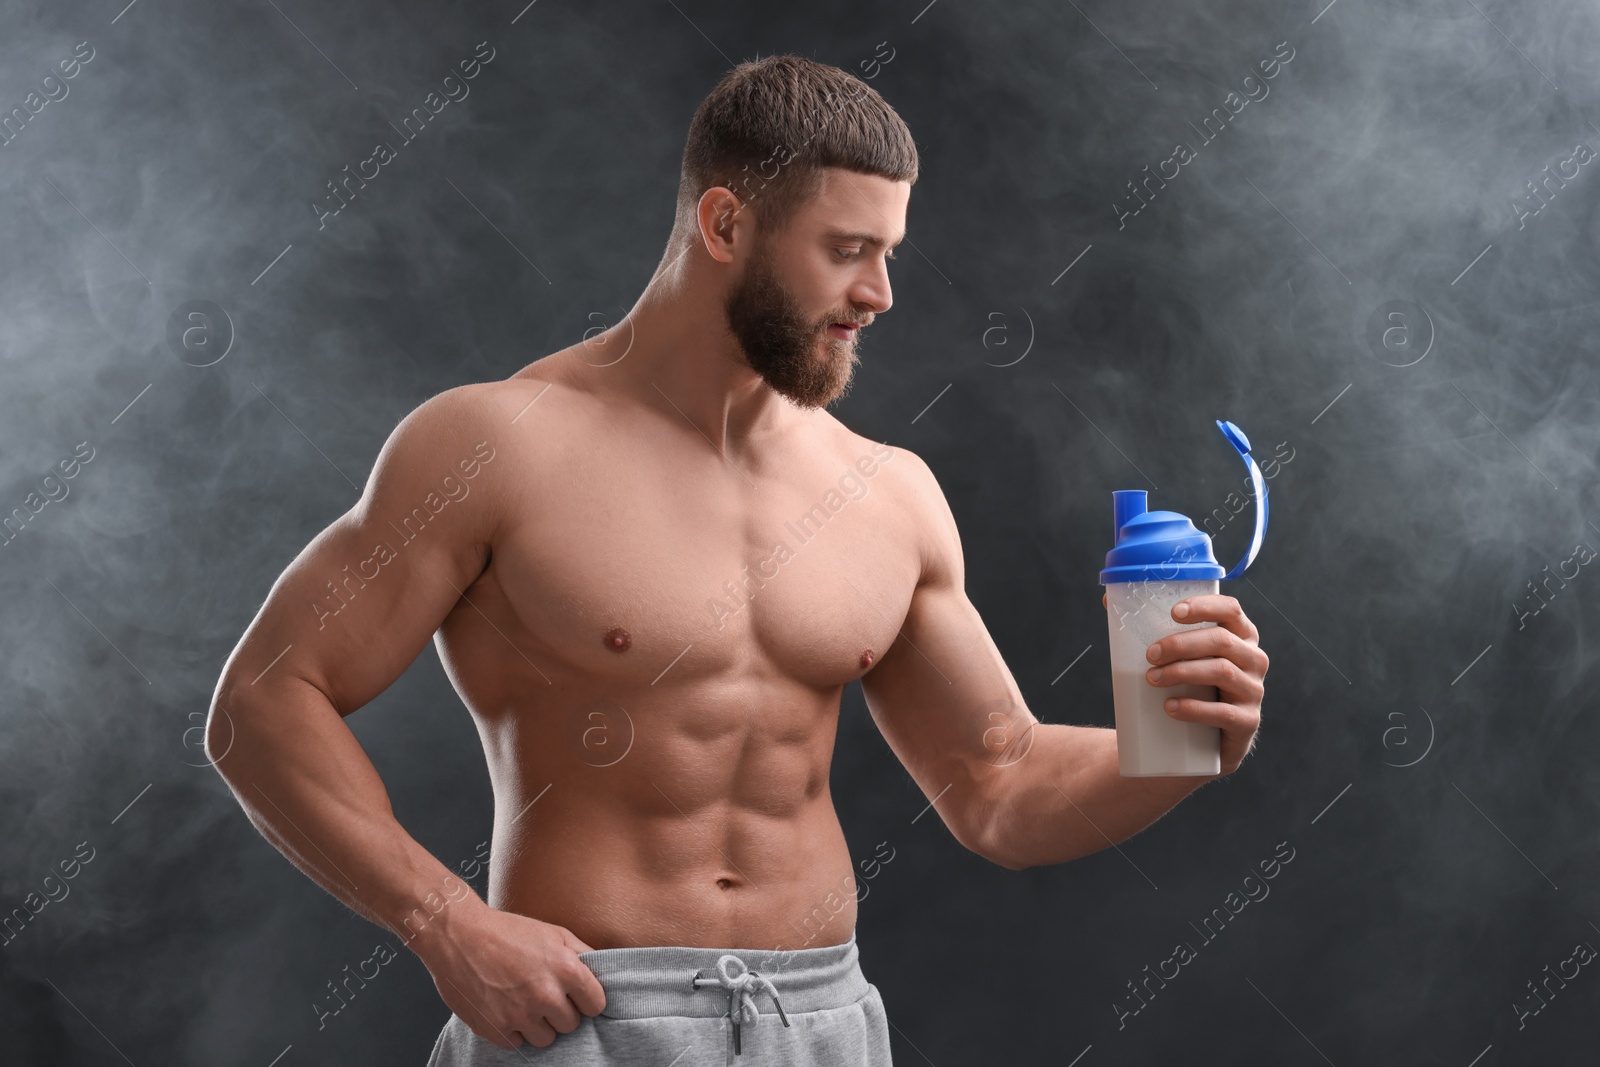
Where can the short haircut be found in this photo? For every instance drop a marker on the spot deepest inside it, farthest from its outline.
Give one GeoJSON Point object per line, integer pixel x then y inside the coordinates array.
{"type": "Point", "coordinates": [770, 127]}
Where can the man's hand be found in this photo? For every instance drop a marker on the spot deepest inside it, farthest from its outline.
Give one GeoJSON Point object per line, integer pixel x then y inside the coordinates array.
{"type": "Point", "coordinates": [1226, 656]}
{"type": "Point", "coordinates": [511, 978]}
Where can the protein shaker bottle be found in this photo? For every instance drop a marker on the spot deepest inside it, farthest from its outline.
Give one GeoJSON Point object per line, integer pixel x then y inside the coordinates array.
{"type": "Point", "coordinates": [1160, 558]}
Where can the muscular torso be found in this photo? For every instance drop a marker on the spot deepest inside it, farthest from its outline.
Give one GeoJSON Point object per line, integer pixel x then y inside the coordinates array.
{"type": "Point", "coordinates": [654, 657]}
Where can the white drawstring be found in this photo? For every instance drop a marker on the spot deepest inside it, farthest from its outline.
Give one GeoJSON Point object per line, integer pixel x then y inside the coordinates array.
{"type": "Point", "coordinates": [742, 987]}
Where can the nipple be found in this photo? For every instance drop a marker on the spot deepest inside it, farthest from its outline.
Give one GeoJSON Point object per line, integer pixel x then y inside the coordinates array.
{"type": "Point", "coordinates": [617, 639]}
{"type": "Point", "coordinates": [866, 659]}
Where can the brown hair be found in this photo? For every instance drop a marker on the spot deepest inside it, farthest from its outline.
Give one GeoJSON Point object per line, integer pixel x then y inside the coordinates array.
{"type": "Point", "coordinates": [769, 128]}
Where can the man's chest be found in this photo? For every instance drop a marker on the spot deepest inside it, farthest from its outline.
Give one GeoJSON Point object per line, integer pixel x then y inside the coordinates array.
{"type": "Point", "coordinates": [643, 571]}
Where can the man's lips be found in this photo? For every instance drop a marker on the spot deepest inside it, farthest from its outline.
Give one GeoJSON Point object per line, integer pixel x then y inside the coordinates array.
{"type": "Point", "coordinates": [842, 331]}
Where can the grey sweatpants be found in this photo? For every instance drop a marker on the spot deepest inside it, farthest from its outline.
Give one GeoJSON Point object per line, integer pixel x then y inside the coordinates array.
{"type": "Point", "coordinates": [674, 1006]}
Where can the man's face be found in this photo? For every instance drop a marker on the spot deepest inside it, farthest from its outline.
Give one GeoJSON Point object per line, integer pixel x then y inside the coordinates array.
{"type": "Point", "coordinates": [825, 271]}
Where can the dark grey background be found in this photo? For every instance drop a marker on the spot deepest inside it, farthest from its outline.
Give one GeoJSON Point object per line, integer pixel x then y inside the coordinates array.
{"type": "Point", "coordinates": [1384, 165]}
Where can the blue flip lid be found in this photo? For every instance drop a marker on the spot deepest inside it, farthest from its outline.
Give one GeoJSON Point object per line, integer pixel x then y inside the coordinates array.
{"type": "Point", "coordinates": [1164, 546]}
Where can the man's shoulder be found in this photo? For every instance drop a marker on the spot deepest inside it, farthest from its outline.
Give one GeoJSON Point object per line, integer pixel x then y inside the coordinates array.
{"type": "Point", "coordinates": [917, 495]}
{"type": "Point", "coordinates": [498, 406]}
{"type": "Point", "coordinates": [910, 471]}
{"type": "Point", "coordinates": [464, 427]}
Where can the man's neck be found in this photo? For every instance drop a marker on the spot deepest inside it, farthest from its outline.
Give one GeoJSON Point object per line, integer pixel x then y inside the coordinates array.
{"type": "Point", "coordinates": [682, 360]}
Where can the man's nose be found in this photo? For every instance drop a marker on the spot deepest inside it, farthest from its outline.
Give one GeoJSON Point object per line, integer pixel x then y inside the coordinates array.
{"type": "Point", "coordinates": [873, 290]}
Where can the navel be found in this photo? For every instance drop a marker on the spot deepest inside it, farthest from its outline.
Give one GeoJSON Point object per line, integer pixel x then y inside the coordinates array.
{"type": "Point", "coordinates": [617, 639]}
{"type": "Point", "coordinates": [866, 659]}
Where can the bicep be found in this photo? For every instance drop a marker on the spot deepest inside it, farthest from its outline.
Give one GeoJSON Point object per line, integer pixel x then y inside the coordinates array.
{"type": "Point", "coordinates": [943, 697]}
{"type": "Point", "coordinates": [357, 605]}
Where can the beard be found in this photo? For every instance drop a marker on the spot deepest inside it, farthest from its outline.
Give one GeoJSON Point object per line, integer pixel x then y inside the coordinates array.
{"type": "Point", "coordinates": [780, 344]}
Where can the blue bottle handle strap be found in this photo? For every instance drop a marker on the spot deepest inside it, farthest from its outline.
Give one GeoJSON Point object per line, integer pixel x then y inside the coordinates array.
{"type": "Point", "coordinates": [1258, 484]}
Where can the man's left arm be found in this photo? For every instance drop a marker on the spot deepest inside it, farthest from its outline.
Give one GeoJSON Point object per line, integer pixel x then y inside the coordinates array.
{"type": "Point", "coordinates": [1012, 789]}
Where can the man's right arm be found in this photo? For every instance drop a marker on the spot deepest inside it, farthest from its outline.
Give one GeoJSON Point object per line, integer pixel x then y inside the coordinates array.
{"type": "Point", "coordinates": [342, 622]}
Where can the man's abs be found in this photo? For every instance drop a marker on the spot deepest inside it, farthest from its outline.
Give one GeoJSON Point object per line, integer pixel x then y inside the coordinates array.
{"type": "Point", "coordinates": [710, 841]}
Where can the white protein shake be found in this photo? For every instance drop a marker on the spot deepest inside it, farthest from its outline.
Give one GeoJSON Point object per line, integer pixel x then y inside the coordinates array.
{"type": "Point", "coordinates": [1149, 741]}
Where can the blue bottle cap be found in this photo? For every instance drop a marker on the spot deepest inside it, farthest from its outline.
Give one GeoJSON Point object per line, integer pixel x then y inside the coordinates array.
{"type": "Point", "coordinates": [1164, 546]}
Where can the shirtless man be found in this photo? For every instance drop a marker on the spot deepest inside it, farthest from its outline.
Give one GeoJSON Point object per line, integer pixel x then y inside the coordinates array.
{"type": "Point", "coordinates": [651, 563]}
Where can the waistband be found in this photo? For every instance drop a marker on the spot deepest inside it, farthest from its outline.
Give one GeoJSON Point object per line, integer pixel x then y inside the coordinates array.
{"type": "Point", "coordinates": [738, 982]}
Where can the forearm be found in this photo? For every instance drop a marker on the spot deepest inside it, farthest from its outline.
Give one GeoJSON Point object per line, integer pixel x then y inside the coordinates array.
{"type": "Point", "coordinates": [306, 783]}
{"type": "Point", "coordinates": [1066, 799]}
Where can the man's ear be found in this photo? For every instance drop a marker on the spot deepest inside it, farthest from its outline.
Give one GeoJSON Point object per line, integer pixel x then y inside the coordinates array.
{"type": "Point", "coordinates": [720, 216]}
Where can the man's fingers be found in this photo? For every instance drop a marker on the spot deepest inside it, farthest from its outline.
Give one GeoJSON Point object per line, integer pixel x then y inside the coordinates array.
{"type": "Point", "coordinates": [563, 1017]}
{"type": "Point", "coordinates": [1219, 608]}
{"type": "Point", "coordinates": [1238, 725]}
{"type": "Point", "coordinates": [539, 1034]}
{"type": "Point", "coordinates": [587, 993]}
{"type": "Point", "coordinates": [1212, 641]}
{"type": "Point", "coordinates": [581, 986]}
{"type": "Point", "coordinates": [1230, 679]}
{"type": "Point", "coordinates": [1224, 716]}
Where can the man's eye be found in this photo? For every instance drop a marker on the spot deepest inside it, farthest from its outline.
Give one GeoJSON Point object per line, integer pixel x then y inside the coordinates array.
{"type": "Point", "coordinates": [847, 255]}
